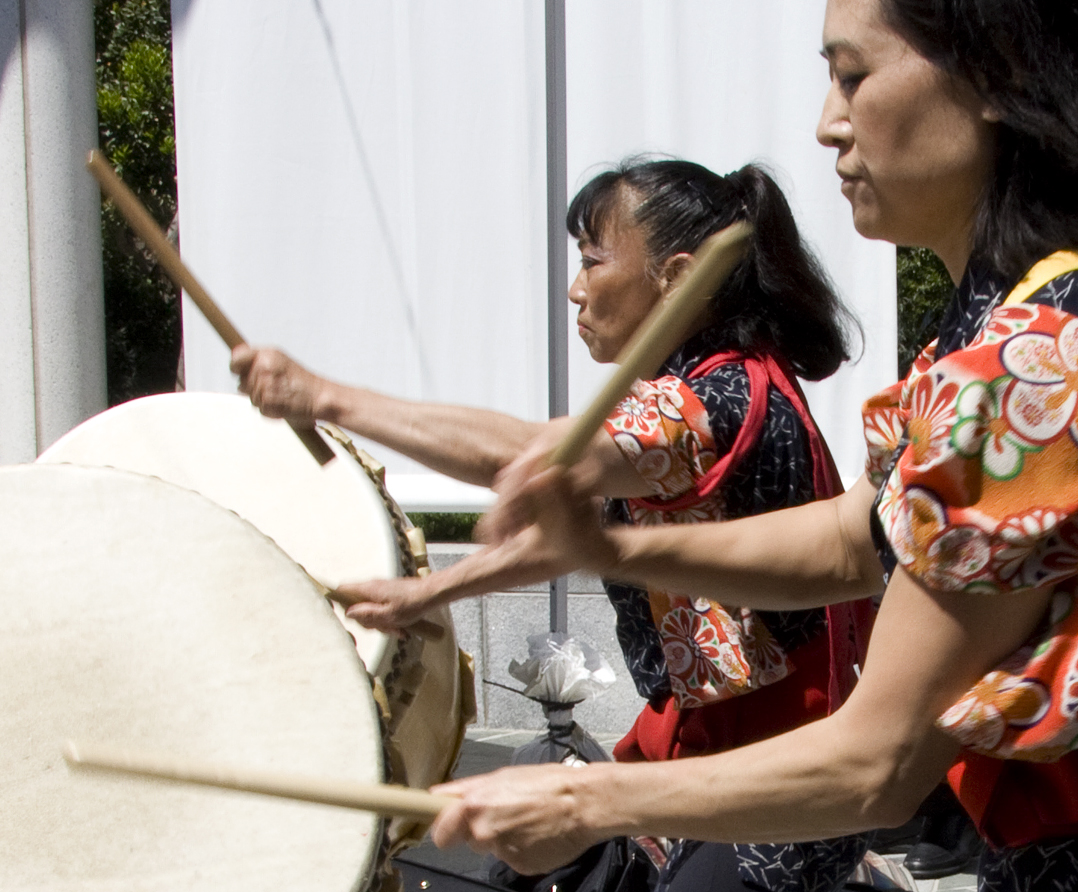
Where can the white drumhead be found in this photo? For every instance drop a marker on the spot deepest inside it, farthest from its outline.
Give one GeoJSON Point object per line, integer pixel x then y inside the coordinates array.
{"type": "Point", "coordinates": [137, 612]}
{"type": "Point", "coordinates": [330, 519]}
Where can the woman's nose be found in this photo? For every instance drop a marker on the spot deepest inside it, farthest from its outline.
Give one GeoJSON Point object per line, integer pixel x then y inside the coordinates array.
{"type": "Point", "coordinates": [833, 129]}
{"type": "Point", "coordinates": [576, 290]}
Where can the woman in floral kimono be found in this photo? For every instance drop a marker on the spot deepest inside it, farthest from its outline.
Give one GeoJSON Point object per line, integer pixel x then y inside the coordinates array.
{"type": "Point", "coordinates": [956, 127]}
{"type": "Point", "coordinates": [722, 432]}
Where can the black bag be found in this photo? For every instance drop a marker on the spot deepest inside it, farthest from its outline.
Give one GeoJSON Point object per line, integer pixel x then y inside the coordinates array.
{"type": "Point", "coordinates": [618, 865]}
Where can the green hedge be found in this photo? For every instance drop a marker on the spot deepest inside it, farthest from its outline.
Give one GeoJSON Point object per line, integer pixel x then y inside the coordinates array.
{"type": "Point", "coordinates": [445, 527]}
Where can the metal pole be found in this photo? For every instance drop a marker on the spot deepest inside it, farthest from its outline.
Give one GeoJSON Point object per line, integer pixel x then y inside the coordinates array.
{"type": "Point", "coordinates": [557, 269]}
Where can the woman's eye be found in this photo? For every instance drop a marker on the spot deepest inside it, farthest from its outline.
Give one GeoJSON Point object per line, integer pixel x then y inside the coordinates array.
{"type": "Point", "coordinates": [588, 262]}
{"type": "Point", "coordinates": [849, 83]}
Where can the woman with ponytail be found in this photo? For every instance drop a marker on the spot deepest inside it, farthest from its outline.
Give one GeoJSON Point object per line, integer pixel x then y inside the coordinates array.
{"type": "Point", "coordinates": [722, 432]}
{"type": "Point", "coordinates": [725, 432]}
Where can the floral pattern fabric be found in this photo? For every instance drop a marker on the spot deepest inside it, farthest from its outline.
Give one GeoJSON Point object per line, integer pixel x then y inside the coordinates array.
{"type": "Point", "coordinates": [976, 454]}
{"type": "Point", "coordinates": [664, 431]}
{"type": "Point", "coordinates": [673, 429]}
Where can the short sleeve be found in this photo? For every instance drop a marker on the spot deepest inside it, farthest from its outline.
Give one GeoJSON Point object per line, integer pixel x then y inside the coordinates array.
{"type": "Point", "coordinates": [663, 430]}
{"type": "Point", "coordinates": [985, 496]}
{"type": "Point", "coordinates": [884, 417]}
{"type": "Point", "coordinates": [984, 499]}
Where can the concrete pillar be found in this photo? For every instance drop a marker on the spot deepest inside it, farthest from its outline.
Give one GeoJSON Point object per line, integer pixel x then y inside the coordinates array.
{"type": "Point", "coordinates": [52, 331]}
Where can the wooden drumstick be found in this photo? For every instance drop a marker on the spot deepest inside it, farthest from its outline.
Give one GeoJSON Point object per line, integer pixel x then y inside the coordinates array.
{"type": "Point", "coordinates": [147, 229]}
{"type": "Point", "coordinates": [382, 799]}
{"type": "Point", "coordinates": [659, 335]}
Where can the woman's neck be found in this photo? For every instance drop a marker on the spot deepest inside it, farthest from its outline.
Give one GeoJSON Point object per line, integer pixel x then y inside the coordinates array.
{"type": "Point", "coordinates": [955, 252]}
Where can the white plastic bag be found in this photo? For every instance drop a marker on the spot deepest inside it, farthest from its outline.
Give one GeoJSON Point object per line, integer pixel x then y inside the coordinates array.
{"type": "Point", "coordinates": [561, 669]}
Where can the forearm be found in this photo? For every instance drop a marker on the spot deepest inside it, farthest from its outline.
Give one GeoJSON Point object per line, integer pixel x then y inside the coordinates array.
{"type": "Point", "coordinates": [811, 783]}
{"type": "Point", "coordinates": [464, 443]}
{"type": "Point", "coordinates": [393, 604]}
{"type": "Point", "coordinates": [491, 569]}
{"type": "Point", "coordinates": [812, 555]}
{"type": "Point", "coordinates": [868, 765]}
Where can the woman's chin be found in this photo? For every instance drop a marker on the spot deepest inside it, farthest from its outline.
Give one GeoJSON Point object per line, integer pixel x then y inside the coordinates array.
{"type": "Point", "coordinates": [868, 224]}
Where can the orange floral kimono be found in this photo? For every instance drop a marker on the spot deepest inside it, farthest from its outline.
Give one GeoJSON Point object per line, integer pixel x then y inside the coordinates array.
{"type": "Point", "coordinates": [983, 499]}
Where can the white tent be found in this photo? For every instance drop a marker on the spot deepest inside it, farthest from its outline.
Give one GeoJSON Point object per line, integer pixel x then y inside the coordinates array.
{"type": "Point", "coordinates": [363, 182]}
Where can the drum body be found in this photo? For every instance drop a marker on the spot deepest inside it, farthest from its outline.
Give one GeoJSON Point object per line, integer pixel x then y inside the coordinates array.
{"type": "Point", "coordinates": [136, 612]}
{"type": "Point", "coordinates": [333, 520]}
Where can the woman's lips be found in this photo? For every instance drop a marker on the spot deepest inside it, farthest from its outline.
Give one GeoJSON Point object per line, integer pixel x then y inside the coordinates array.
{"type": "Point", "coordinates": [849, 184]}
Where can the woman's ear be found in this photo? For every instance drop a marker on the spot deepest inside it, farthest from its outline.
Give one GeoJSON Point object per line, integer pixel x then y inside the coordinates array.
{"type": "Point", "coordinates": [672, 270]}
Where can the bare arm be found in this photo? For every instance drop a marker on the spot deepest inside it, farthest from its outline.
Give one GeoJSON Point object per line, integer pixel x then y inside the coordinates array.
{"type": "Point", "coordinates": [868, 765]}
{"type": "Point", "coordinates": [390, 605]}
{"type": "Point", "coordinates": [815, 554]}
{"type": "Point", "coordinates": [465, 443]}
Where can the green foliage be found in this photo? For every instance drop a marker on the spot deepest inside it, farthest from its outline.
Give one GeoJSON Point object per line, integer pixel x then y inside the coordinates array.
{"type": "Point", "coordinates": [439, 527]}
{"type": "Point", "coordinates": [137, 134]}
{"type": "Point", "coordinates": [924, 290]}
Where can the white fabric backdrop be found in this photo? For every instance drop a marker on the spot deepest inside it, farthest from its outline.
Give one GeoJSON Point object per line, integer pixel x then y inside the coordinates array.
{"type": "Point", "coordinates": [363, 182]}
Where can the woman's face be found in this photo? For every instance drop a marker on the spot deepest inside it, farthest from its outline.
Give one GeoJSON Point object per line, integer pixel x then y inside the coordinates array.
{"type": "Point", "coordinates": [613, 289]}
{"type": "Point", "coordinates": [915, 148]}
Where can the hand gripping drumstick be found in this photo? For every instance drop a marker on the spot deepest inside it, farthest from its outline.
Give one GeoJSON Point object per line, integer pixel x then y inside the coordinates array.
{"type": "Point", "coordinates": [659, 335]}
{"type": "Point", "coordinates": [382, 799]}
{"type": "Point", "coordinates": [140, 220]}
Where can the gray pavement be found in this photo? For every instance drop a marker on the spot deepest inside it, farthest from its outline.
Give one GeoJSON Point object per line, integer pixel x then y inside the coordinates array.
{"type": "Point", "coordinates": [487, 749]}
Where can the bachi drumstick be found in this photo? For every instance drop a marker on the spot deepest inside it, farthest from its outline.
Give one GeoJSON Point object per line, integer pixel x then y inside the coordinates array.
{"type": "Point", "coordinates": [147, 229]}
{"type": "Point", "coordinates": [382, 799]}
{"type": "Point", "coordinates": [659, 335]}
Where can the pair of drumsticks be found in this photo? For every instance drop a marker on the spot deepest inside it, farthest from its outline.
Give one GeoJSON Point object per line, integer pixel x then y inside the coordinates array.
{"type": "Point", "coordinates": [658, 336]}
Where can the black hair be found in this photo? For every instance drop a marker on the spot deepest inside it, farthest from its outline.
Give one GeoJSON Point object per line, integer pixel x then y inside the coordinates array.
{"type": "Point", "coordinates": [1021, 56]}
{"type": "Point", "coordinates": [778, 297]}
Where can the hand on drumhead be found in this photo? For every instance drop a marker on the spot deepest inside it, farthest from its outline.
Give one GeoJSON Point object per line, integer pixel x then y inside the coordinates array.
{"type": "Point", "coordinates": [527, 817]}
{"type": "Point", "coordinates": [386, 605]}
{"type": "Point", "coordinates": [277, 385]}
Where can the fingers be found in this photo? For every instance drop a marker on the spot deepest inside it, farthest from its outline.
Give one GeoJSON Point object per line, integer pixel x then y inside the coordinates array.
{"type": "Point", "coordinates": [525, 816]}
{"type": "Point", "coordinates": [556, 523]}
{"type": "Point", "coordinates": [385, 605]}
{"type": "Point", "coordinates": [516, 508]}
{"type": "Point", "coordinates": [242, 357]}
{"type": "Point", "coordinates": [450, 828]}
{"type": "Point", "coordinates": [277, 385]}
{"type": "Point", "coordinates": [467, 820]}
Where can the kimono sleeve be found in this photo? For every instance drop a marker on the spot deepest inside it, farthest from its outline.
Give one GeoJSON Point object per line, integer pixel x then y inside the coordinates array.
{"type": "Point", "coordinates": [664, 431]}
